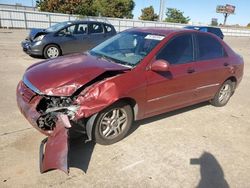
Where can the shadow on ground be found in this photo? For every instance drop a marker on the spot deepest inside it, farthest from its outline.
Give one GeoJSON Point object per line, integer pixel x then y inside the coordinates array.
{"type": "Point", "coordinates": [212, 175]}
{"type": "Point", "coordinates": [37, 57]}
{"type": "Point", "coordinates": [80, 152]}
{"type": "Point", "coordinates": [165, 115]}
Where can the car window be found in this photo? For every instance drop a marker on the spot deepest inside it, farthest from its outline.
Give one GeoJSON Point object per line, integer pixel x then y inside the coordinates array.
{"type": "Point", "coordinates": [95, 28]}
{"type": "Point", "coordinates": [127, 48]}
{"type": "Point", "coordinates": [82, 28]}
{"type": "Point", "coordinates": [212, 30]}
{"type": "Point", "coordinates": [209, 48]}
{"type": "Point", "coordinates": [216, 31]}
{"type": "Point", "coordinates": [57, 26]}
{"type": "Point", "coordinates": [108, 28]}
{"type": "Point", "coordinates": [204, 29]}
{"type": "Point", "coordinates": [68, 30]}
{"type": "Point", "coordinates": [178, 51]}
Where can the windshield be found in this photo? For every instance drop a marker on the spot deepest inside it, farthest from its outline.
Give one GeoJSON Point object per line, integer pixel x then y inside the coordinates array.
{"type": "Point", "coordinates": [127, 48]}
{"type": "Point", "coordinates": [57, 26]}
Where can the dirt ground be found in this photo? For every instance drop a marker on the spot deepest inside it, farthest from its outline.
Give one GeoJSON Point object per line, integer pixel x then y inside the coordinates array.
{"type": "Point", "coordinates": [200, 145]}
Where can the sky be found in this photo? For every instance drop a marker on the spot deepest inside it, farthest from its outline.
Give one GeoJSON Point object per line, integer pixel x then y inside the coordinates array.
{"type": "Point", "coordinates": [198, 10]}
{"type": "Point", "coordinates": [201, 10]}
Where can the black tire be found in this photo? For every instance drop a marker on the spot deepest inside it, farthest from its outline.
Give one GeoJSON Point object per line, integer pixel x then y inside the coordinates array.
{"type": "Point", "coordinates": [221, 99]}
{"type": "Point", "coordinates": [100, 128]}
{"type": "Point", "coordinates": [46, 53]}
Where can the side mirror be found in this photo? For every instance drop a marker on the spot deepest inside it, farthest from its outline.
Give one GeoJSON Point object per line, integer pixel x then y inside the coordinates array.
{"type": "Point", "coordinates": [160, 65]}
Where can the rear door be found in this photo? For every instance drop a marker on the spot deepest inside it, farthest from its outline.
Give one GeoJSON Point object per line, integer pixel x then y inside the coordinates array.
{"type": "Point", "coordinates": [109, 31]}
{"type": "Point", "coordinates": [174, 88]}
{"type": "Point", "coordinates": [96, 34]}
{"type": "Point", "coordinates": [211, 66]}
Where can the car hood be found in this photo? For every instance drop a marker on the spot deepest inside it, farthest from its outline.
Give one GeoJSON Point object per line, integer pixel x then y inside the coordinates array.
{"type": "Point", "coordinates": [35, 32]}
{"type": "Point", "coordinates": [63, 76]}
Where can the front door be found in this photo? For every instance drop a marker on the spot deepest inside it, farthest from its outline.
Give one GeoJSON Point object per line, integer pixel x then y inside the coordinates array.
{"type": "Point", "coordinates": [72, 38]}
{"type": "Point", "coordinates": [172, 89]}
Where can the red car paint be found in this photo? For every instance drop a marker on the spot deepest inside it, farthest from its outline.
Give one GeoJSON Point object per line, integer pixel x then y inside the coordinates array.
{"type": "Point", "coordinates": [56, 157]}
{"type": "Point", "coordinates": [51, 76]}
{"type": "Point", "coordinates": [150, 92]}
{"type": "Point", "coordinates": [27, 101]}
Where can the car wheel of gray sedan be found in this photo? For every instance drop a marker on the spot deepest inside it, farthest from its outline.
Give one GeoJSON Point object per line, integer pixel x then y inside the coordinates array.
{"type": "Point", "coordinates": [51, 51]}
{"type": "Point", "coordinates": [223, 95]}
{"type": "Point", "coordinates": [113, 123]}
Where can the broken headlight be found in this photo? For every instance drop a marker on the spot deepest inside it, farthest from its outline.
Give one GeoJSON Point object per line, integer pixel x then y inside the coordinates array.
{"type": "Point", "coordinates": [49, 107]}
{"type": "Point", "coordinates": [39, 38]}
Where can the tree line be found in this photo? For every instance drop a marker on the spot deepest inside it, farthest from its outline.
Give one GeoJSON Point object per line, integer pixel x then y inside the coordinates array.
{"type": "Point", "coordinates": [108, 8]}
{"type": "Point", "coordinates": [172, 15]}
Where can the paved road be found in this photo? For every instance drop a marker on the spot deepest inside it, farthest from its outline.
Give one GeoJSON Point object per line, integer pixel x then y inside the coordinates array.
{"type": "Point", "coordinates": [196, 146]}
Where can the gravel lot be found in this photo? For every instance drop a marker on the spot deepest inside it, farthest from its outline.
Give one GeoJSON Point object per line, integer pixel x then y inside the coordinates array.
{"type": "Point", "coordinates": [200, 145]}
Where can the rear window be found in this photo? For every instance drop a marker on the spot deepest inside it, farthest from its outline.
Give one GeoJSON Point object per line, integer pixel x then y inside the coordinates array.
{"type": "Point", "coordinates": [215, 31]}
{"type": "Point", "coordinates": [209, 48]}
{"type": "Point", "coordinates": [95, 28]}
{"type": "Point", "coordinates": [108, 28]}
{"type": "Point", "coordinates": [204, 29]}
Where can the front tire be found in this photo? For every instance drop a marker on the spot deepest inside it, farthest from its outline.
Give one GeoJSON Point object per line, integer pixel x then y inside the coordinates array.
{"type": "Point", "coordinates": [113, 123]}
{"type": "Point", "coordinates": [51, 51]}
{"type": "Point", "coordinates": [223, 95]}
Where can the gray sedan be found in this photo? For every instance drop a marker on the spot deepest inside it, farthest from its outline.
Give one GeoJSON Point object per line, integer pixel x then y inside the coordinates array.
{"type": "Point", "coordinates": [66, 37]}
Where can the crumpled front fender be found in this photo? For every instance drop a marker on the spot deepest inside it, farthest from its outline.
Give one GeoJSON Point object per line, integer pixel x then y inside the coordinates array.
{"type": "Point", "coordinates": [96, 99]}
{"type": "Point", "coordinates": [55, 153]}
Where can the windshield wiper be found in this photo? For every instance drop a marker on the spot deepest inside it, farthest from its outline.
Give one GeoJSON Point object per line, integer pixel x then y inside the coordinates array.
{"type": "Point", "coordinates": [122, 62]}
{"type": "Point", "coordinates": [110, 59]}
{"type": "Point", "coordinates": [100, 56]}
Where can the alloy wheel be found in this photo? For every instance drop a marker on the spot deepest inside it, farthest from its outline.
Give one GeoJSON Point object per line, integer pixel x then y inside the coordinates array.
{"type": "Point", "coordinates": [225, 93]}
{"type": "Point", "coordinates": [113, 123]}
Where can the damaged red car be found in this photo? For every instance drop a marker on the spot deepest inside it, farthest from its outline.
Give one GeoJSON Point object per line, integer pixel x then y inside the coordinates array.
{"type": "Point", "coordinates": [138, 73]}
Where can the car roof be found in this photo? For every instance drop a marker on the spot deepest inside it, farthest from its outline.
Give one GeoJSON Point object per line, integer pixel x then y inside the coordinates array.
{"type": "Point", "coordinates": [86, 21]}
{"type": "Point", "coordinates": [191, 26]}
{"type": "Point", "coordinates": [165, 31]}
{"type": "Point", "coordinates": [157, 30]}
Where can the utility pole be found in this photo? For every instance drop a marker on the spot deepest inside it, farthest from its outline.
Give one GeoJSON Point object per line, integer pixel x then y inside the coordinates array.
{"type": "Point", "coordinates": [225, 18]}
{"type": "Point", "coordinates": [161, 10]}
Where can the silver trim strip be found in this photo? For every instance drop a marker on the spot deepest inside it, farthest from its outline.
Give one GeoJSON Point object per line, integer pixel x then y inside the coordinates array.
{"type": "Point", "coordinates": [31, 86]}
{"type": "Point", "coordinates": [211, 85]}
{"type": "Point", "coordinates": [165, 96]}
{"type": "Point", "coordinates": [198, 88]}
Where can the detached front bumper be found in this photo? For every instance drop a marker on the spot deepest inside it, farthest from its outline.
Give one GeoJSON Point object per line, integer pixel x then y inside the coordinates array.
{"type": "Point", "coordinates": [55, 153]}
{"type": "Point", "coordinates": [33, 48]}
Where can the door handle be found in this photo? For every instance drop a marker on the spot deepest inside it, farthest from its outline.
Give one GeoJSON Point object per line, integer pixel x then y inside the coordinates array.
{"type": "Point", "coordinates": [190, 70]}
{"type": "Point", "coordinates": [226, 64]}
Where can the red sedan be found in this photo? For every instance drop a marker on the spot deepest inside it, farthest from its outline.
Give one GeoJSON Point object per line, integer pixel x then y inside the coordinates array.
{"type": "Point", "coordinates": [138, 73]}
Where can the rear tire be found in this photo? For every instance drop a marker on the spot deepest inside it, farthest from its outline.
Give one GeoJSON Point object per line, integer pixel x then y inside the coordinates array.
{"type": "Point", "coordinates": [223, 94]}
{"type": "Point", "coordinates": [113, 123]}
{"type": "Point", "coordinates": [51, 51]}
